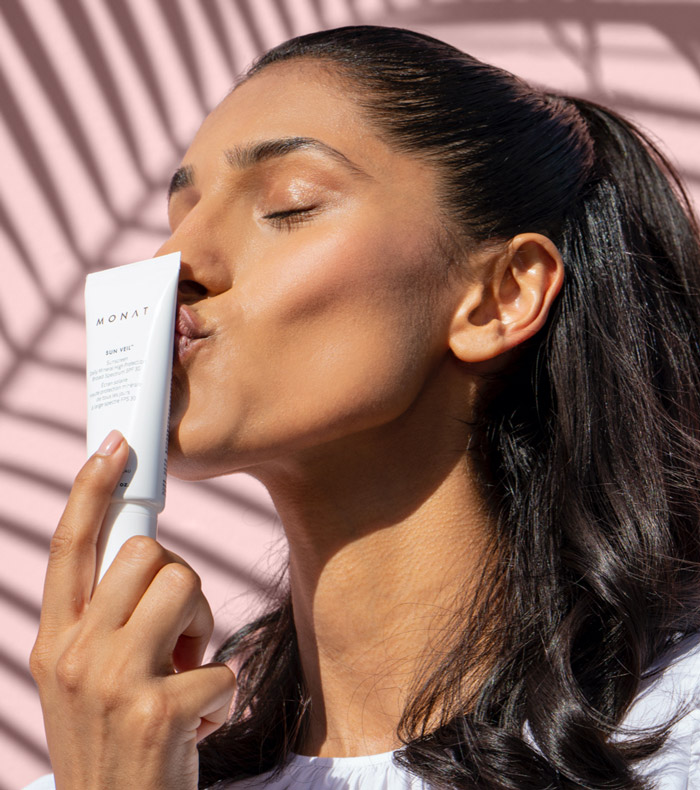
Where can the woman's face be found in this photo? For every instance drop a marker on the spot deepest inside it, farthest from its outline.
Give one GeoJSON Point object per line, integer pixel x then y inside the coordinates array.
{"type": "Point", "coordinates": [310, 267]}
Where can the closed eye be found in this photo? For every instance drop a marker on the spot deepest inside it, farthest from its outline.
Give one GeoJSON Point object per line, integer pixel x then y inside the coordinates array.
{"type": "Point", "coordinates": [290, 217]}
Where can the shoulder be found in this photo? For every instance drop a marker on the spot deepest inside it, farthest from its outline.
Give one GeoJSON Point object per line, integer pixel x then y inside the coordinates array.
{"type": "Point", "coordinates": [372, 772]}
{"type": "Point", "coordinates": [43, 783]}
{"type": "Point", "coordinates": [672, 681]}
{"type": "Point", "coordinates": [671, 689]}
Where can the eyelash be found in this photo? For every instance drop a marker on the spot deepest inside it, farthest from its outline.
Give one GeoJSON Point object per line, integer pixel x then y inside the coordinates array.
{"type": "Point", "coordinates": [288, 219]}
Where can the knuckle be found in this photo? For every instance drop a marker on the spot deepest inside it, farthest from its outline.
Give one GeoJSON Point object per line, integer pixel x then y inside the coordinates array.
{"type": "Point", "coordinates": [71, 670]}
{"type": "Point", "coordinates": [62, 543]}
{"type": "Point", "coordinates": [91, 476]}
{"type": "Point", "coordinates": [226, 677]}
{"type": "Point", "coordinates": [141, 548]}
{"type": "Point", "coordinates": [181, 578]}
{"type": "Point", "coordinates": [39, 662]}
{"type": "Point", "coordinates": [151, 707]}
{"type": "Point", "coordinates": [153, 716]}
{"type": "Point", "coordinates": [206, 618]}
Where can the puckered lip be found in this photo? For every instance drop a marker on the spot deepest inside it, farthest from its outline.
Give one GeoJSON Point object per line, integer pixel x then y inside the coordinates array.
{"type": "Point", "coordinates": [188, 324]}
{"type": "Point", "coordinates": [190, 333]}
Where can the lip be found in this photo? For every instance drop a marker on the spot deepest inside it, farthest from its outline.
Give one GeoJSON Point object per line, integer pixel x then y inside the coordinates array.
{"type": "Point", "coordinates": [190, 333]}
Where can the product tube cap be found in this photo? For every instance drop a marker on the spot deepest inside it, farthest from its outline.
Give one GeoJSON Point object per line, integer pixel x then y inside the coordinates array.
{"type": "Point", "coordinates": [122, 521]}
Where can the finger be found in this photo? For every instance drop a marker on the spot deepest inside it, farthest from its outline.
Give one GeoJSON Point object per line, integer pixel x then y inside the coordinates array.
{"type": "Point", "coordinates": [204, 697]}
{"type": "Point", "coordinates": [126, 581]}
{"type": "Point", "coordinates": [189, 652]}
{"type": "Point", "coordinates": [71, 567]}
{"type": "Point", "coordinates": [173, 607]}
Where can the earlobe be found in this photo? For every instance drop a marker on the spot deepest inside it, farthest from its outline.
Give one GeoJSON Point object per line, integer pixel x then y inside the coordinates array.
{"type": "Point", "coordinates": [512, 301]}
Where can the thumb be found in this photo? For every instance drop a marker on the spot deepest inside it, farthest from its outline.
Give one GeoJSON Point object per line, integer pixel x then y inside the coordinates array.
{"type": "Point", "coordinates": [204, 695]}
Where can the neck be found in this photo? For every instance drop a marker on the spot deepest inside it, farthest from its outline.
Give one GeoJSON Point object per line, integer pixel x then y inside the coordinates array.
{"type": "Point", "coordinates": [384, 538]}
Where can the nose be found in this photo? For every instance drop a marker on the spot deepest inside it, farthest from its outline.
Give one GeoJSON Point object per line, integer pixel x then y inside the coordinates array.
{"type": "Point", "coordinates": [204, 266]}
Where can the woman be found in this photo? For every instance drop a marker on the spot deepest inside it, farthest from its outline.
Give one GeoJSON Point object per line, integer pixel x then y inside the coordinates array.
{"type": "Point", "coordinates": [451, 322]}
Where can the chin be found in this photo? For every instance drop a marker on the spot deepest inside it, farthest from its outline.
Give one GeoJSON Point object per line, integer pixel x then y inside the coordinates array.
{"type": "Point", "coordinates": [185, 464]}
{"type": "Point", "coordinates": [190, 474]}
{"type": "Point", "coordinates": [183, 469]}
{"type": "Point", "coordinates": [200, 461]}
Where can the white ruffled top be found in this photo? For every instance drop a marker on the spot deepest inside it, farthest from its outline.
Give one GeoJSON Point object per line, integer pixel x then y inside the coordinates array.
{"type": "Point", "coordinates": [676, 766]}
{"type": "Point", "coordinates": [373, 772]}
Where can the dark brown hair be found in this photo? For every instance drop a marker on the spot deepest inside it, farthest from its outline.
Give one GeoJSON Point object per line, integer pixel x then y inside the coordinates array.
{"type": "Point", "coordinates": [590, 442]}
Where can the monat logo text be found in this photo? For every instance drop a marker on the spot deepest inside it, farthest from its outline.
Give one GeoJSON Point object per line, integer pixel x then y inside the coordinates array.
{"type": "Point", "coordinates": [126, 315]}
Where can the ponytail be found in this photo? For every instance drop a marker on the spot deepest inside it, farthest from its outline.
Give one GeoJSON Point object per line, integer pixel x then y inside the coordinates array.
{"type": "Point", "coordinates": [593, 445]}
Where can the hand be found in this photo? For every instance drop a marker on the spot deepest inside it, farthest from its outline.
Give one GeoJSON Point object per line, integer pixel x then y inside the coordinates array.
{"type": "Point", "coordinates": [124, 697]}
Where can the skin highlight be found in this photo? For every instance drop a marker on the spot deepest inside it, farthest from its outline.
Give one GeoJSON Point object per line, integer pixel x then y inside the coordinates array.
{"type": "Point", "coordinates": [342, 369]}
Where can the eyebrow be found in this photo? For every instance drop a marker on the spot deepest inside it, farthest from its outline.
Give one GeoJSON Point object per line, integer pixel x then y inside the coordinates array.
{"type": "Point", "coordinates": [245, 157]}
{"type": "Point", "coordinates": [183, 177]}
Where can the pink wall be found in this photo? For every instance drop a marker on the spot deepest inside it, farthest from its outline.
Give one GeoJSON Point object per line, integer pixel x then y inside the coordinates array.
{"type": "Point", "coordinates": [98, 100]}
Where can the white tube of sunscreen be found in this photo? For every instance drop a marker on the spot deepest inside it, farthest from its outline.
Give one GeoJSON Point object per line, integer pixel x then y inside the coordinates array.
{"type": "Point", "coordinates": [130, 320]}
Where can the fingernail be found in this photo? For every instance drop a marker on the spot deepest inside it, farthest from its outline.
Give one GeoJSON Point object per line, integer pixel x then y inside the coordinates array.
{"type": "Point", "coordinates": [110, 443]}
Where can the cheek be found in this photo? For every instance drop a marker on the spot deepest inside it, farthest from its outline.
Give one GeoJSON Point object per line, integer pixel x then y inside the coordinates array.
{"type": "Point", "coordinates": [353, 322]}
{"type": "Point", "coordinates": [337, 282]}
{"type": "Point", "coordinates": [334, 336]}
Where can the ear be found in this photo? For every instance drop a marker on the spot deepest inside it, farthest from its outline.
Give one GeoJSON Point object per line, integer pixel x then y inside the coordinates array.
{"type": "Point", "coordinates": [510, 301]}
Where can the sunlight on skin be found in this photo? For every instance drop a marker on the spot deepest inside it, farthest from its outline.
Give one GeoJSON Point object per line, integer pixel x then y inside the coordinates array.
{"type": "Point", "coordinates": [339, 365]}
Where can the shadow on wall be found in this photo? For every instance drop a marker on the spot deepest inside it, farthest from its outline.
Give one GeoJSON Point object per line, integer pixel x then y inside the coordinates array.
{"type": "Point", "coordinates": [99, 101]}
